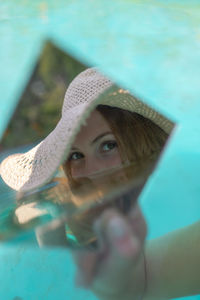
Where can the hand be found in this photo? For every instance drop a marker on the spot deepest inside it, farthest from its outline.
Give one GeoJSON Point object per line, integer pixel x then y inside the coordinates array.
{"type": "Point", "coordinates": [116, 270]}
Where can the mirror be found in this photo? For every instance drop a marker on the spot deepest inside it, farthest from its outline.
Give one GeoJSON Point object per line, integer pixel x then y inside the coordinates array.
{"type": "Point", "coordinates": [76, 207]}
{"type": "Point", "coordinates": [123, 154]}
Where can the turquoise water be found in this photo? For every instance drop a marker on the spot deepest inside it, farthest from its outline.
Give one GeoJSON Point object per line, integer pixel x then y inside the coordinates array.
{"type": "Point", "coordinates": [29, 273]}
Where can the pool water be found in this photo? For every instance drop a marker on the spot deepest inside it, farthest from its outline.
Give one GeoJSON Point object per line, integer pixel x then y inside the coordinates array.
{"type": "Point", "coordinates": [30, 273]}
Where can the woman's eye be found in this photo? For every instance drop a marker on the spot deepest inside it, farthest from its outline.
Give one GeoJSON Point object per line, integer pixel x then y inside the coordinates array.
{"type": "Point", "coordinates": [107, 146]}
{"type": "Point", "coordinates": [75, 156]}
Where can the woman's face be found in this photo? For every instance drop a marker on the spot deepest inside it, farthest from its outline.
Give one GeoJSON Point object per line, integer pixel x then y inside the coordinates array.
{"type": "Point", "coordinates": [94, 149]}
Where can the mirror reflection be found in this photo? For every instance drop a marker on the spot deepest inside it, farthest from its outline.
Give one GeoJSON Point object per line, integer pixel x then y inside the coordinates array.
{"type": "Point", "coordinates": [77, 205]}
{"type": "Point", "coordinates": [103, 147]}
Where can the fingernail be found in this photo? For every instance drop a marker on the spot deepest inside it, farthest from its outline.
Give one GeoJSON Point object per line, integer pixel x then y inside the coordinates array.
{"type": "Point", "coordinates": [117, 228]}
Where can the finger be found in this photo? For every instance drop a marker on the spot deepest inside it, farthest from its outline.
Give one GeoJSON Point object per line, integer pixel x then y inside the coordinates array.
{"type": "Point", "coordinates": [119, 242]}
{"type": "Point", "coordinates": [86, 262]}
{"type": "Point", "coordinates": [123, 252]}
{"type": "Point", "coordinates": [114, 232]}
{"type": "Point", "coordinates": [138, 223]}
{"type": "Point", "coordinates": [123, 244]}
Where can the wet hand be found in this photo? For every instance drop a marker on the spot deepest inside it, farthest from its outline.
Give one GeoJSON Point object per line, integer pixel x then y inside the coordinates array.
{"type": "Point", "coordinates": [116, 269]}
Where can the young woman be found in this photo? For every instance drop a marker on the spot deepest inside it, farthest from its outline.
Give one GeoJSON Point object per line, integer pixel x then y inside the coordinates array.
{"type": "Point", "coordinates": [103, 127]}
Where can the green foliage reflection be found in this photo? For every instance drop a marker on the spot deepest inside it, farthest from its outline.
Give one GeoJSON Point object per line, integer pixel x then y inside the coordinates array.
{"type": "Point", "coordinates": [39, 109]}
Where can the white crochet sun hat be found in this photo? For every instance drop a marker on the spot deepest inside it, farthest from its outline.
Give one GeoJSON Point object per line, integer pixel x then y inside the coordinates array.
{"type": "Point", "coordinates": [26, 171]}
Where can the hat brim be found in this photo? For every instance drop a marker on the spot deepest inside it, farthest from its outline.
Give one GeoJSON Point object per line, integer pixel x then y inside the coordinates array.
{"type": "Point", "coordinates": [26, 171]}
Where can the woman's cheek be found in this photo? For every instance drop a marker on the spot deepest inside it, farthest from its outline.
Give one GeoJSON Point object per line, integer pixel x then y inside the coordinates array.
{"type": "Point", "coordinates": [76, 168]}
{"type": "Point", "coordinates": [111, 160]}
